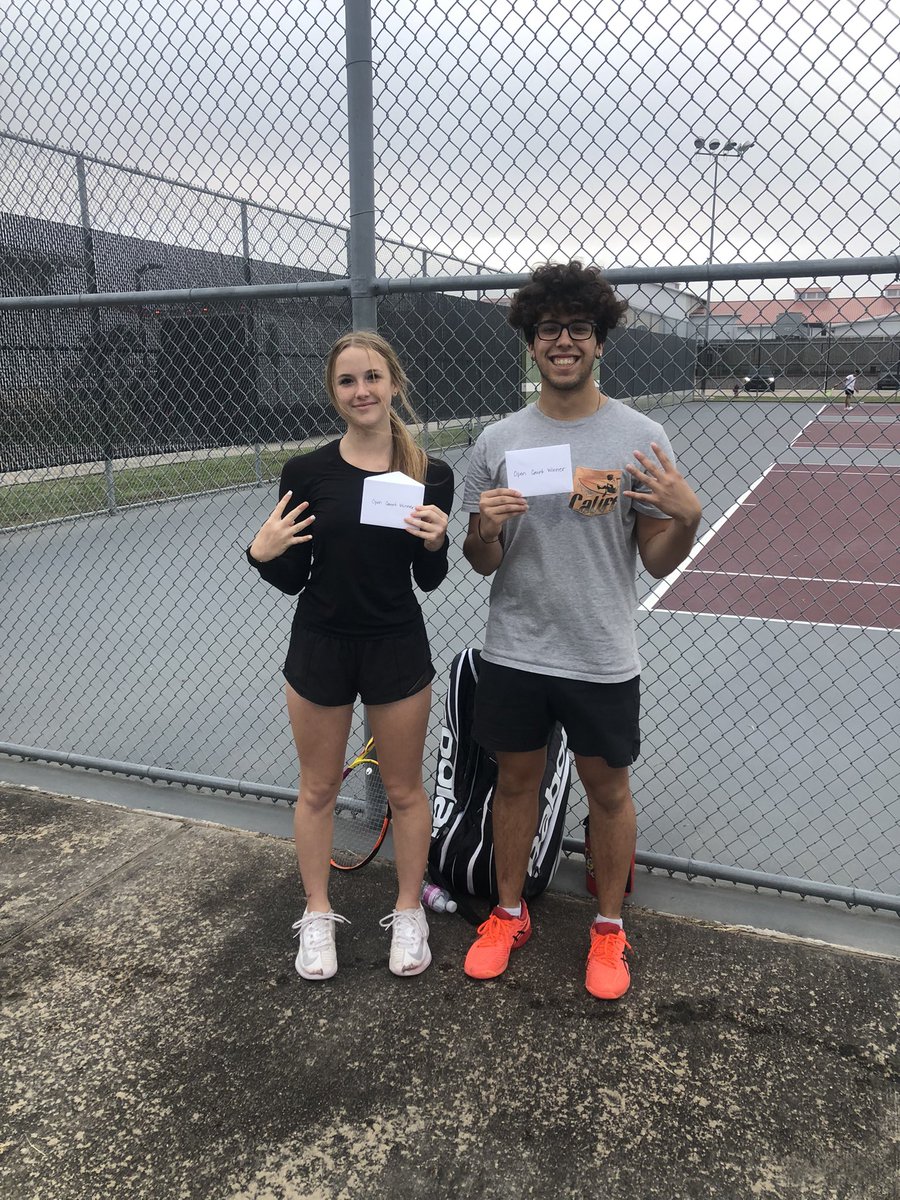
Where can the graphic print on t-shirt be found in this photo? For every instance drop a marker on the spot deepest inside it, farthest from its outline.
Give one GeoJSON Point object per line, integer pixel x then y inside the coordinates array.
{"type": "Point", "coordinates": [594, 493]}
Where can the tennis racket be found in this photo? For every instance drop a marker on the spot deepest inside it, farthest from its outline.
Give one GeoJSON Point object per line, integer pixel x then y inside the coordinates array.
{"type": "Point", "coordinates": [361, 815]}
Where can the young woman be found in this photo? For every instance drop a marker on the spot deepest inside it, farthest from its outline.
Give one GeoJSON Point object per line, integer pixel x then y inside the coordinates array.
{"type": "Point", "coordinates": [358, 631]}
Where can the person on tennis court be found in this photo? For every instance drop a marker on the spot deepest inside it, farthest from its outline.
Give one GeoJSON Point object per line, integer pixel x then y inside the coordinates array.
{"type": "Point", "coordinates": [561, 640]}
{"type": "Point", "coordinates": [358, 631]}
{"type": "Point", "coordinates": [849, 389]}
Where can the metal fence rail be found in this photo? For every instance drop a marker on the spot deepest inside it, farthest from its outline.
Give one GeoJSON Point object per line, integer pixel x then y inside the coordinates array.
{"type": "Point", "coordinates": [177, 253]}
{"type": "Point", "coordinates": [760, 762]}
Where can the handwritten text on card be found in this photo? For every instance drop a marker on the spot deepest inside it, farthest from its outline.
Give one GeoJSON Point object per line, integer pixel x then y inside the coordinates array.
{"type": "Point", "coordinates": [388, 499]}
{"type": "Point", "coordinates": [542, 471]}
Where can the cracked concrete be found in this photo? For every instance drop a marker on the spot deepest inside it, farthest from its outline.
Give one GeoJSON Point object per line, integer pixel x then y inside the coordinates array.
{"type": "Point", "coordinates": [158, 1044]}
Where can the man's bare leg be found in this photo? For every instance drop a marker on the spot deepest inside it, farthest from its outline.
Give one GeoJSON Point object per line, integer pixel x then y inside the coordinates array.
{"type": "Point", "coordinates": [515, 816]}
{"type": "Point", "coordinates": [613, 826]}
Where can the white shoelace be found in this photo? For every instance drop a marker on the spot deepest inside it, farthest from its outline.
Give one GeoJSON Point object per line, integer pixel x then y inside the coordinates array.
{"type": "Point", "coordinates": [406, 928]}
{"type": "Point", "coordinates": [314, 929]}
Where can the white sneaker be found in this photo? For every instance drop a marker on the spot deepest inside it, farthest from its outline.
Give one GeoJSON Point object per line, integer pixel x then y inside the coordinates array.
{"type": "Point", "coordinates": [317, 956]}
{"type": "Point", "coordinates": [410, 953]}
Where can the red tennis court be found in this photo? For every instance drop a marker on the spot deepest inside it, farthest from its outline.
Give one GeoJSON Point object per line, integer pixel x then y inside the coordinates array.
{"type": "Point", "coordinates": [806, 543]}
{"type": "Point", "coordinates": [870, 428]}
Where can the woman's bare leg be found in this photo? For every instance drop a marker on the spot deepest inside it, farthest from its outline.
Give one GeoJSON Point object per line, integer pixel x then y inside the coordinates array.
{"type": "Point", "coordinates": [321, 736]}
{"type": "Point", "coordinates": [399, 731]}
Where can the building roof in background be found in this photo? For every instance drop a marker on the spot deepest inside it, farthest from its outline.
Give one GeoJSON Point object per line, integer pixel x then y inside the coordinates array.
{"type": "Point", "coordinates": [824, 311]}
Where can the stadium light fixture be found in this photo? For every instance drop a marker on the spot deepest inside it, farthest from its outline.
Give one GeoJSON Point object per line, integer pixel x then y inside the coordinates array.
{"type": "Point", "coordinates": [715, 150]}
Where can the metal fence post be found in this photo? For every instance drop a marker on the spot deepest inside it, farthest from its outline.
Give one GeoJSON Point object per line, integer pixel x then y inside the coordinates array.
{"type": "Point", "coordinates": [90, 269]}
{"type": "Point", "coordinates": [250, 338]}
{"type": "Point", "coordinates": [361, 167]}
{"type": "Point", "coordinates": [421, 302]}
{"type": "Point", "coordinates": [361, 162]}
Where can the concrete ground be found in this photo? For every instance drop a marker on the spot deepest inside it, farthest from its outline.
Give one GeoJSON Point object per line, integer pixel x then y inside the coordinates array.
{"type": "Point", "coordinates": [159, 1045]}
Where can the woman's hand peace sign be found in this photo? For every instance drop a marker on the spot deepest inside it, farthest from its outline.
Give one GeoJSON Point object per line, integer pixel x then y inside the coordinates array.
{"type": "Point", "coordinates": [281, 530]}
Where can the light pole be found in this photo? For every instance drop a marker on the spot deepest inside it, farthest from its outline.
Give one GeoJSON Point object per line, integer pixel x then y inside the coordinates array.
{"type": "Point", "coordinates": [715, 150]}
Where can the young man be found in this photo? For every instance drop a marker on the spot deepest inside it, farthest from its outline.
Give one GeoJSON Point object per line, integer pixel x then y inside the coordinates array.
{"type": "Point", "coordinates": [561, 642]}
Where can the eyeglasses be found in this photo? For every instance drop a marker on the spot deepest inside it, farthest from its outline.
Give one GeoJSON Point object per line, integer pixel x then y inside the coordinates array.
{"type": "Point", "coordinates": [578, 331]}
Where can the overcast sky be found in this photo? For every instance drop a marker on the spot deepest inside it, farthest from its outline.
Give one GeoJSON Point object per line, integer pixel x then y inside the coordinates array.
{"type": "Point", "coordinates": [505, 133]}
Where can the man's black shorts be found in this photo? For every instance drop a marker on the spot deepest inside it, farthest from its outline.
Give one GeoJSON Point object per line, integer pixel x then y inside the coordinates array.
{"type": "Point", "coordinates": [515, 711]}
{"type": "Point", "coordinates": [333, 671]}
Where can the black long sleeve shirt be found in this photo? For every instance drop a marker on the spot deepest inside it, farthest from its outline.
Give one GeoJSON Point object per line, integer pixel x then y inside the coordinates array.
{"type": "Point", "coordinates": [354, 580]}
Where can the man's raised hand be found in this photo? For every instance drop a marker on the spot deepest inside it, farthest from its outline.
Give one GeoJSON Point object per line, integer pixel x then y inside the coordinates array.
{"type": "Point", "coordinates": [667, 488]}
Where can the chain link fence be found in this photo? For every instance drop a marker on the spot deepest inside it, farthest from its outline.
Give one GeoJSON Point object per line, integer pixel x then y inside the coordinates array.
{"type": "Point", "coordinates": [186, 225]}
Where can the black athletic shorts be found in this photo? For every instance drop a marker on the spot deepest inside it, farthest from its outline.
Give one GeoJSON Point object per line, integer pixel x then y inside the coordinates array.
{"type": "Point", "coordinates": [515, 711]}
{"type": "Point", "coordinates": [333, 671]}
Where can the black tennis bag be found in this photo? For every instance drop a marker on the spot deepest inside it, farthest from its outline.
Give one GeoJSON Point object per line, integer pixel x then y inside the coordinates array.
{"type": "Point", "coordinates": [461, 857]}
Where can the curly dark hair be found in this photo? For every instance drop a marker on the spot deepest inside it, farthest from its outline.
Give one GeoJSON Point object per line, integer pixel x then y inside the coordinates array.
{"type": "Point", "coordinates": [559, 288]}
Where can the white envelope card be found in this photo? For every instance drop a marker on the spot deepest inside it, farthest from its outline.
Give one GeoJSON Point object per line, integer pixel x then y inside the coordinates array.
{"type": "Point", "coordinates": [540, 472]}
{"type": "Point", "coordinates": [388, 498]}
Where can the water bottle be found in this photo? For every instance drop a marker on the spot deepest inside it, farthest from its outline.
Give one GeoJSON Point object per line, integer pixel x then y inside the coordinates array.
{"type": "Point", "coordinates": [437, 899]}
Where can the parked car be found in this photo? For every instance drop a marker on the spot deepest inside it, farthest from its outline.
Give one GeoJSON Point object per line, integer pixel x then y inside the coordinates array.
{"type": "Point", "coordinates": [890, 380]}
{"type": "Point", "coordinates": [761, 380]}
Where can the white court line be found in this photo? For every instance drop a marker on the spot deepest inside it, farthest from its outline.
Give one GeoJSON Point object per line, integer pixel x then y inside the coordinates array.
{"type": "Point", "coordinates": [653, 598]}
{"type": "Point", "coordinates": [865, 420]}
{"type": "Point", "coordinates": [799, 578]}
{"type": "Point", "coordinates": [823, 468]}
{"type": "Point", "coordinates": [688, 612]}
{"type": "Point", "coordinates": [858, 447]}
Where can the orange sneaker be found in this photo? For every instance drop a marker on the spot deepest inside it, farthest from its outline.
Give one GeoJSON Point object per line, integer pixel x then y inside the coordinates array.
{"type": "Point", "coordinates": [497, 937]}
{"type": "Point", "coordinates": [608, 976]}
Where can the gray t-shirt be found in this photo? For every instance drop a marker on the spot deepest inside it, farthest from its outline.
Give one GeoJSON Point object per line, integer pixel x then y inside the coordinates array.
{"type": "Point", "coordinates": [563, 599]}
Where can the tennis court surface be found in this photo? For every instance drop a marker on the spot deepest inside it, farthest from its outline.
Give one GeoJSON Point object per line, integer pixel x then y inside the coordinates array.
{"type": "Point", "coordinates": [813, 542]}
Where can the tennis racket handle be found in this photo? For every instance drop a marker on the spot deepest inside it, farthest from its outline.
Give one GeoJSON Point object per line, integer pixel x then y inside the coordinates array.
{"type": "Point", "coordinates": [437, 899]}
